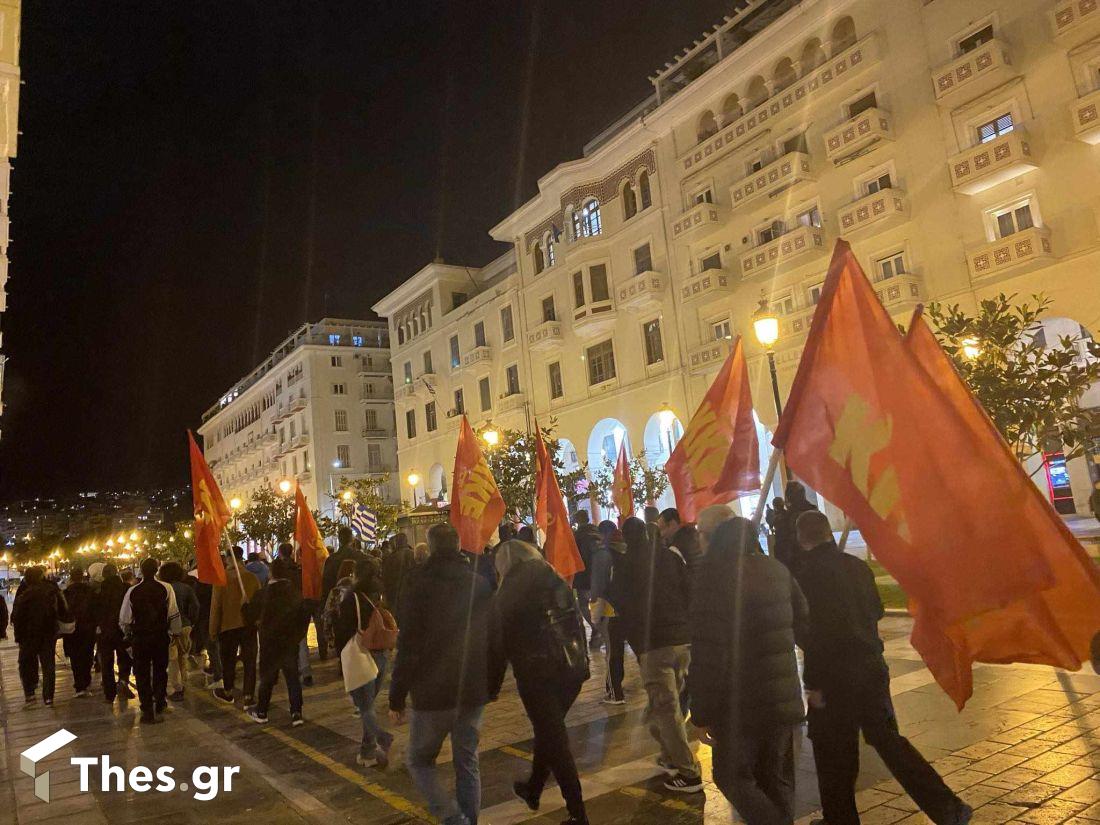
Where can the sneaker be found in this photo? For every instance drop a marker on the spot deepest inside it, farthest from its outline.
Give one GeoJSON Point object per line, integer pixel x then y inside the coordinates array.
{"type": "Point", "coordinates": [256, 716]}
{"type": "Point", "coordinates": [666, 766]}
{"type": "Point", "coordinates": [48, 702]}
{"type": "Point", "coordinates": [611, 700]}
{"type": "Point", "coordinates": [684, 783]}
{"type": "Point", "coordinates": [296, 720]}
{"type": "Point", "coordinates": [963, 815]}
{"type": "Point", "coordinates": [176, 695]}
{"type": "Point", "coordinates": [248, 700]}
{"type": "Point", "coordinates": [30, 701]}
{"type": "Point", "coordinates": [80, 694]}
{"type": "Point", "coordinates": [369, 761]}
{"type": "Point", "coordinates": [307, 681]}
{"type": "Point", "coordinates": [124, 691]}
{"type": "Point", "coordinates": [149, 718]}
{"type": "Point", "coordinates": [224, 695]}
{"type": "Point", "coordinates": [524, 795]}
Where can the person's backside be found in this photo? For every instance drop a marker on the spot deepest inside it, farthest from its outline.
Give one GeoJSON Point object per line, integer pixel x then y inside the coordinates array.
{"type": "Point", "coordinates": [34, 615]}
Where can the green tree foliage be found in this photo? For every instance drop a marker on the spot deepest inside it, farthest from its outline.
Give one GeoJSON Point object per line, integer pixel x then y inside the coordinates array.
{"type": "Point", "coordinates": [370, 493]}
{"type": "Point", "coordinates": [268, 519]}
{"type": "Point", "coordinates": [648, 483]}
{"type": "Point", "coordinates": [512, 462]}
{"type": "Point", "coordinates": [1030, 388]}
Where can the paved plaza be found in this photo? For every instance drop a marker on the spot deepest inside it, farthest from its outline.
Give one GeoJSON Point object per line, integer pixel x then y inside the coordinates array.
{"type": "Point", "coordinates": [1025, 749]}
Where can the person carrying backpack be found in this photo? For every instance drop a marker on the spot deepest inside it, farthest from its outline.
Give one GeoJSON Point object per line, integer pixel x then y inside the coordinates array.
{"type": "Point", "coordinates": [537, 627]}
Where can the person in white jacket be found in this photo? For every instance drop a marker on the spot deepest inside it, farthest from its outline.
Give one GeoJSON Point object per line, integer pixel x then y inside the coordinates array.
{"type": "Point", "coordinates": [149, 618]}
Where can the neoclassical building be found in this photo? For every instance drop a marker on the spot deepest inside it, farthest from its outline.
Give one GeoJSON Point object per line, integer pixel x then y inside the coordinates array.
{"type": "Point", "coordinates": [952, 144]}
{"type": "Point", "coordinates": [10, 11]}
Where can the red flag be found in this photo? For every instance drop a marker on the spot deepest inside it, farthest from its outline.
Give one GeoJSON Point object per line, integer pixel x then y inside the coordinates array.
{"type": "Point", "coordinates": [622, 486]}
{"type": "Point", "coordinates": [1053, 627]}
{"type": "Point", "coordinates": [719, 454]}
{"type": "Point", "coordinates": [560, 547]}
{"type": "Point", "coordinates": [868, 428]}
{"type": "Point", "coordinates": [211, 516]}
{"type": "Point", "coordinates": [476, 504]}
{"type": "Point", "coordinates": [311, 547]}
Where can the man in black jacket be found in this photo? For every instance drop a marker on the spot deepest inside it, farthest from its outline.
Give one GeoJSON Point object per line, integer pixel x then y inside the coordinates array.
{"type": "Point", "coordinates": [38, 606]}
{"type": "Point", "coordinates": [442, 661]}
{"type": "Point", "coordinates": [107, 603]}
{"type": "Point", "coordinates": [396, 568]}
{"type": "Point", "coordinates": [744, 682]}
{"type": "Point", "coordinates": [278, 612]}
{"type": "Point", "coordinates": [346, 549]}
{"type": "Point", "coordinates": [588, 541]}
{"type": "Point", "coordinates": [149, 618]}
{"type": "Point", "coordinates": [848, 684]}
{"type": "Point", "coordinates": [79, 645]}
{"type": "Point", "coordinates": [787, 549]}
{"type": "Point", "coordinates": [683, 537]}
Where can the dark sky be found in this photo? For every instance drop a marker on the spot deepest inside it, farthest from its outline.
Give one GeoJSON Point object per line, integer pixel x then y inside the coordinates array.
{"type": "Point", "coordinates": [161, 201]}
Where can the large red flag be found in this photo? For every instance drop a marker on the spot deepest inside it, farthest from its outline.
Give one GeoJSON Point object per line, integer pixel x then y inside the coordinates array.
{"type": "Point", "coordinates": [622, 485]}
{"type": "Point", "coordinates": [1053, 627]}
{"type": "Point", "coordinates": [868, 428]}
{"type": "Point", "coordinates": [719, 454]}
{"type": "Point", "coordinates": [476, 504]}
{"type": "Point", "coordinates": [560, 547]}
{"type": "Point", "coordinates": [211, 516]}
{"type": "Point", "coordinates": [311, 547]}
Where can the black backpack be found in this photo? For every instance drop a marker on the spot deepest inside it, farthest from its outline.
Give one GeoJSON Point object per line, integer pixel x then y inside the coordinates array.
{"type": "Point", "coordinates": [562, 638]}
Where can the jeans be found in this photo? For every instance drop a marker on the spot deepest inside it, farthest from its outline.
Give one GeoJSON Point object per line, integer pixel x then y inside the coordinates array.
{"type": "Point", "coordinates": [177, 659]}
{"type": "Point", "coordinates": [151, 672]}
{"type": "Point", "coordinates": [79, 649]}
{"type": "Point", "coordinates": [427, 730]}
{"type": "Point", "coordinates": [31, 658]}
{"type": "Point", "coordinates": [616, 653]}
{"type": "Point", "coordinates": [755, 772]}
{"type": "Point", "coordinates": [287, 662]}
{"type": "Point", "coordinates": [375, 735]}
{"type": "Point", "coordinates": [240, 640]}
{"type": "Point", "coordinates": [546, 706]}
{"type": "Point", "coordinates": [214, 656]}
{"type": "Point", "coordinates": [109, 648]}
{"type": "Point", "coordinates": [664, 672]}
{"type": "Point", "coordinates": [862, 703]}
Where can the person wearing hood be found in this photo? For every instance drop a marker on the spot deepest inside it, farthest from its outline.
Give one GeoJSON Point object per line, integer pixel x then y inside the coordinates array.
{"type": "Point", "coordinates": [588, 540]}
{"type": "Point", "coordinates": [787, 549]}
{"type": "Point", "coordinates": [39, 605]}
{"type": "Point", "coordinates": [106, 605]}
{"type": "Point", "coordinates": [79, 645]}
{"type": "Point", "coordinates": [537, 628]}
{"type": "Point", "coordinates": [605, 596]}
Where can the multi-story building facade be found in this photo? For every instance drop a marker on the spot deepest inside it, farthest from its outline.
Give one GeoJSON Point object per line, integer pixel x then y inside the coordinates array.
{"type": "Point", "coordinates": [318, 409]}
{"type": "Point", "coordinates": [10, 11]}
{"type": "Point", "coordinates": [952, 144]}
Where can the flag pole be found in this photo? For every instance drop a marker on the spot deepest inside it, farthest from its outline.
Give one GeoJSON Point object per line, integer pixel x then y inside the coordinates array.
{"type": "Point", "coordinates": [769, 477]}
{"type": "Point", "coordinates": [240, 578]}
{"type": "Point", "coordinates": [844, 534]}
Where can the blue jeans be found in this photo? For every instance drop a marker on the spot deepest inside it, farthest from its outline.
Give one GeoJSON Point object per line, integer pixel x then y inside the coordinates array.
{"type": "Point", "coordinates": [427, 730]}
{"type": "Point", "coordinates": [374, 734]}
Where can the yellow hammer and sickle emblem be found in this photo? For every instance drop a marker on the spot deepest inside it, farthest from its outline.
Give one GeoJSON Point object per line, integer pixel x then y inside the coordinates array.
{"type": "Point", "coordinates": [705, 446]}
{"type": "Point", "coordinates": [477, 488]}
{"type": "Point", "coordinates": [206, 502]}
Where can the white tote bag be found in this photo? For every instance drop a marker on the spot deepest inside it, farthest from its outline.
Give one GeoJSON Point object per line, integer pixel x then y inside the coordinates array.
{"type": "Point", "coordinates": [358, 666]}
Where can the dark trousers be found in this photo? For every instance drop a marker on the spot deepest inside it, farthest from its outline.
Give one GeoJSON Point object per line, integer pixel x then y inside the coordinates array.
{"type": "Point", "coordinates": [79, 649]}
{"type": "Point", "coordinates": [546, 706]}
{"type": "Point", "coordinates": [31, 658]}
{"type": "Point", "coordinates": [616, 653]}
{"type": "Point", "coordinates": [862, 703]}
{"type": "Point", "coordinates": [231, 643]}
{"type": "Point", "coordinates": [151, 672]}
{"type": "Point", "coordinates": [110, 648]}
{"type": "Point", "coordinates": [287, 662]}
{"type": "Point", "coordinates": [754, 770]}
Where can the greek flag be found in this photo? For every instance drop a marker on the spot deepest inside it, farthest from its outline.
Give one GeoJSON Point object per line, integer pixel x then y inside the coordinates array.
{"type": "Point", "coordinates": [363, 522]}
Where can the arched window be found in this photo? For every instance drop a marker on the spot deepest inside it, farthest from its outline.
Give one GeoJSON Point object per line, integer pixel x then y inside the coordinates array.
{"type": "Point", "coordinates": [757, 92]}
{"type": "Point", "coordinates": [784, 75]}
{"type": "Point", "coordinates": [731, 109]}
{"type": "Point", "coordinates": [844, 35]}
{"type": "Point", "coordinates": [586, 220]}
{"type": "Point", "coordinates": [706, 126]}
{"type": "Point", "coordinates": [537, 257]}
{"type": "Point", "coordinates": [643, 190]}
{"type": "Point", "coordinates": [630, 202]}
{"type": "Point", "coordinates": [812, 56]}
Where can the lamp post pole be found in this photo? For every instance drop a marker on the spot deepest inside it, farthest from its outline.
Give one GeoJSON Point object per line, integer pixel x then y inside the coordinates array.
{"type": "Point", "coordinates": [765, 325]}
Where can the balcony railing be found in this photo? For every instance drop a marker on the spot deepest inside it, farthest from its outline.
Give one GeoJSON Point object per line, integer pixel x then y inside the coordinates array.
{"type": "Point", "coordinates": [701, 219]}
{"type": "Point", "coordinates": [988, 164]}
{"type": "Point", "coordinates": [594, 320]}
{"type": "Point", "coordinates": [1029, 248]}
{"type": "Point", "coordinates": [511, 401]}
{"type": "Point", "coordinates": [899, 294]}
{"type": "Point", "coordinates": [545, 336]}
{"type": "Point", "coordinates": [1085, 112]}
{"type": "Point", "coordinates": [777, 176]}
{"type": "Point", "coordinates": [643, 291]}
{"type": "Point", "coordinates": [708, 285]}
{"type": "Point", "coordinates": [374, 432]}
{"type": "Point", "coordinates": [478, 355]}
{"type": "Point", "coordinates": [972, 74]}
{"type": "Point", "coordinates": [797, 246]}
{"type": "Point", "coordinates": [1074, 21]}
{"type": "Point", "coordinates": [882, 210]}
{"type": "Point", "coordinates": [869, 127]}
{"type": "Point", "coordinates": [709, 356]}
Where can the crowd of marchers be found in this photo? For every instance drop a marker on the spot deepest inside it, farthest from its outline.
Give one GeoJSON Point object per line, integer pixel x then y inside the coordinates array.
{"type": "Point", "coordinates": [713, 621]}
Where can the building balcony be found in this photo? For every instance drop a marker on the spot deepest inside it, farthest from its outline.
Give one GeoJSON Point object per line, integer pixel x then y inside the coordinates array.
{"type": "Point", "coordinates": [374, 432]}
{"type": "Point", "coordinates": [594, 320]}
{"type": "Point", "coordinates": [900, 294]}
{"type": "Point", "coordinates": [984, 166]}
{"type": "Point", "coordinates": [1072, 22]}
{"type": "Point", "coordinates": [511, 401]}
{"type": "Point", "coordinates": [300, 441]}
{"type": "Point", "coordinates": [267, 439]}
{"type": "Point", "coordinates": [778, 176]}
{"type": "Point", "coordinates": [795, 326]}
{"type": "Point", "coordinates": [1085, 112]}
{"type": "Point", "coordinates": [378, 469]}
{"type": "Point", "coordinates": [869, 127]}
{"type": "Point", "coordinates": [971, 75]}
{"type": "Point", "coordinates": [709, 356]}
{"type": "Point", "coordinates": [884, 209]}
{"type": "Point", "coordinates": [709, 285]}
{"type": "Point", "coordinates": [365, 371]}
{"type": "Point", "coordinates": [297, 405]}
{"type": "Point", "coordinates": [1020, 252]}
{"type": "Point", "coordinates": [305, 477]}
{"type": "Point", "coordinates": [425, 384]}
{"type": "Point", "coordinates": [366, 397]}
{"type": "Point", "coordinates": [642, 292]}
{"type": "Point", "coordinates": [546, 336]}
{"type": "Point", "coordinates": [479, 356]}
{"type": "Point", "coordinates": [798, 246]}
{"type": "Point", "coordinates": [700, 220]}
{"type": "Point", "coordinates": [406, 392]}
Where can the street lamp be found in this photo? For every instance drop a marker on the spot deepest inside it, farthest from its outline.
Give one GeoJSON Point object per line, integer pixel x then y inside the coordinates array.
{"type": "Point", "coordinates": [413, 478]}
{"type": "Point", "coordinates": [284, 486]}
{"type": "Point", "coordinates": [347, 496]}
{"type": "Point", "coordinates": [491, 435]}
{"type": "Point", "coordinates": [667, 418]}
{"type": "Point", "coordinates": [765, 326]}
{"type": "Point", "coordinates": [234, 503]}
{"type": "Point", "coordinates": [971, 348]}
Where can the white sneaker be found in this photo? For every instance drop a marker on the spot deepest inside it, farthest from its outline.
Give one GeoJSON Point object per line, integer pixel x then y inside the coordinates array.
{"type": "Point", "coordinates": [366, 761]}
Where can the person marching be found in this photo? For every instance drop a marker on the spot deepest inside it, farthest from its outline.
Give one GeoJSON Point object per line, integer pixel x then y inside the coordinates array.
{"type": "Point", "coordinates": [79, 645]}
{"type": "Point", "coordinates": [280, 617]}
{"type": "Point", "coordinates": [149, 618]}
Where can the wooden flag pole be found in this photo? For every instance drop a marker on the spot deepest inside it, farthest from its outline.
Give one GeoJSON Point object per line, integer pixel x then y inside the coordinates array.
{"type": "Point", "coordinates": [240, 578]}
{"type": "Point", "coordinates": [844, 534]}
{"type": "Point", "coordinates": [769, 477]}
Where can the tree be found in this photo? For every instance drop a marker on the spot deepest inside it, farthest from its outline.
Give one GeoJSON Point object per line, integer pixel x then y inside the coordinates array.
{"type": "Point", "coordinates": [268, 519]}
{"type": "Point", "coordinates": [371, 494]}
{"type": "Point", "coordinates": [648, 483]}
{"type": "Point", "coordinates": [512, 462]}
{"type": "Point", "coordinates": [1030, 387]}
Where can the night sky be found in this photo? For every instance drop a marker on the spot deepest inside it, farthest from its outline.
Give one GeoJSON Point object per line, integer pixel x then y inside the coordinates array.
{"type": "Point", "coordinates": [195, 180]}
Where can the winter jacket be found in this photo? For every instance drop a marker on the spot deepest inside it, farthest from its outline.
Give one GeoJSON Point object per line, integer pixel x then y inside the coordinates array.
{"type": "Point", "coordinates": [225, 604]}
{"type": "Point", "coordinates": [3, 613]}
{"type": "Point", "coordinates": [331, 571]}
{"type": "Point", "coordinates": [686, 540]}
{"type": "Point", "coordinates": [106, 605]}
{"type": "Point", "coordinates": [149, 612]}
{"type": "Point", "coordinates": [35, 614]}
{"type": "Point", "coordinates": [787, 549]}
{"type": "Point", "coordinates": [335, 599]}
{"type": "Point", "coordinates": [259, 570]}
{"type": "Point", "coordinates": [745, 616]}
{"type": "Point", "coordinates": [588, 541]}
{"type": "Point", "coordinates": [280, 618]}
{"type": "Point", "coordinates": [845, 609]}
{"type": "Point", "coordinates": [606, 584]}
{"type": "Point", "coordinates": [344, 627]}
{"type": "Point", "coordinates": [655, 597]}
{"type": "Point", "coordinates": [396, 568]}
{"type": "Point", "coordinates": [79, 596]}
{"type": "Point", "coordinates": [187, 602]}
{"type": "Point", "coordinates": [442, 651]}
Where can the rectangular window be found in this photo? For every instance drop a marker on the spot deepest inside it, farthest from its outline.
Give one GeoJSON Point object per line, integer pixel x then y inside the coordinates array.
{"type": "Point", "coordinates": [429, 417]}
{"type": "Point", "coordinates": [556, 388]}
{"type": "Point", "coordinates": [721, 330]}
{"type": "Point", "coordinates": [811, 217]}
{"type": "Point", "coordinates": [343, 455]}
{"type": "Point", "coordinates": [796, 143]}
{"type": "Point", "coordinates": [601, 363]}
{"type": "Point", "coordinates": [507, 330]}
{"type": "Point", "coordinates": [703, 196]}
{"type": "Point", "coordinates": [337, 360]}
{"type": "Point", "coordinates": [654, 348]}
{"type": "Point", "coordinates": [783, 304]}
{"type": "Point", "coordinates": [410, 423]}
{"type": "Point", "coordinates": [370, 419]}
{"type": "Point", "coordinates": [548, 311]}
{"type": "Point", "coordinates": [815, 293]}
{"type": "Point", "coordinates": [486, 394]}
{"type": "Point", "coordinates": [479, 334]}
{"type": "Point", "coordinates": [891, 265]}
{"type": "Point", "coordinates": [460, 403]}
{"type": "Point", "coordinates": [428, 362]}
{"type": "Point", "coordinates": [866, 102]}
{"type": "Point", "coordinates": [993, 129]}
{"type": "Point", "coordinates": [597, 281]}
{"type": "Point", "coordinates": [374, 458]}
{"type": "Point", "coordinates": [341, 421]}
{"type": "Point", "coordinates": [973, 41]}
{"type": "Point", "coordinates": [339, 389]}
{"type": "Point", "coordinates": [713, 261]}
{"type": "Point", "coordinates": [456, 355]}
{"type": "Point", "coordinates": [511, 379]}
{"type": "Point", "coordinates": [877, 184]}
{"type": "Point", "coordinates": [458, 299]}
{"type": "Point", "coordinates": [770, 232]}
{"type": "Point", "coordinates": [578, 290]}
{"type": "Point", "coordinates": [643, 260]}
{"type": "Point", "coordinates": [334, 339]}
{"type": "Point", "coordinates": [408, 372]}
{"type": "Point", "coordinates": [357, 340]}
{"type": "Point", "coordinates": [1014, 220]}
